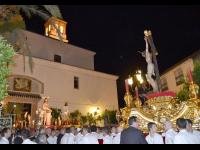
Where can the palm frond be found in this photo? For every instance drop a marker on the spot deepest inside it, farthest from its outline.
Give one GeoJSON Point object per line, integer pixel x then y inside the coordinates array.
{"type": "Point", "coordinates": [25, 10]}
{"type": "Point", "coordinates": [34, 9]}
{"type": "Point", "coordinates": [19, 42]}
{"type": "Point", "coordinates": [53, 10]}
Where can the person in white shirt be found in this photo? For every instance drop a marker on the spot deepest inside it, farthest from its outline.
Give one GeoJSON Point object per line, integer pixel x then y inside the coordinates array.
{"type": "Point", "coordinates": [99, 133]}
{"type": "Point", "coordinates": [153, 137]}
{"type": "Point", "coordinates": [78, 135]}
{"type": "Point", "coordinates": [60, 135]}
{"type": "Point", "coordinates": [116, 139]}
{"type": "Point", "coordinates": [94, 131]}
{"type": "Point", "coordinates": [87, 137]}
{"type": "Point", "coordinates": [42, 130]}
{"type": "Point", "coordinates": [42, 139]}
{"type": "Point", "coordinates": [190, 128]}
{"type": "Point", "coordinates": [113, 132]}
{"type": "Point", "coordinates": [183, 137]}
{"type": "Point", "coordinates": [5, 134]}
{"type": "Point", "coordinates": [69, 137]}
{"type": "Point", "coordinates": [25, 136]}
{"type": "Point", "coordinates": [107, 139]}
{"type": "Point", "coordinates": [52, 139]}
{"type": "Point", "coordinates": [64, 139]}
{"type": "Point", "coordinates": [169, 133]}
{"type": "Point", "coordinates": [48, 132]}
{"type": "Point", "coordinates": [194, 133]}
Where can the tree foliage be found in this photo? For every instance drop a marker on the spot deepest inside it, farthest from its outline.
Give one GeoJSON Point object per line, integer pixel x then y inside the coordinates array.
{"type": "Point", "coordinates": [56, 114]}
{"type": "Point", "coordinates": [6, 55]}
{"type": "Point", "coordinates": [75, 117]}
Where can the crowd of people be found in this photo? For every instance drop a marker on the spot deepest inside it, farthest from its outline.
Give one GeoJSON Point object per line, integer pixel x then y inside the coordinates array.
{"type": "Point", "coordinates": [184, 134]}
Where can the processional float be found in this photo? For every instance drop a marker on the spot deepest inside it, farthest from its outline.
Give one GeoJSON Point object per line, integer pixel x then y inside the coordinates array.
{"type": "Point", "coordinates": [160, 106]}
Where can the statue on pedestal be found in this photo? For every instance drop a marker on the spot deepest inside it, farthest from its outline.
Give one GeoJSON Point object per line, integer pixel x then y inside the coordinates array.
{"type": "Point", "coordinates": [66, 114]}
{"type": "Point", "coordinates": [47, 113]}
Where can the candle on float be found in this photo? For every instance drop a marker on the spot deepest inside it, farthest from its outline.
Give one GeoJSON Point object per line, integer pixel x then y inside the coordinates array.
{"type": "Point", "coordinates": [127, 86]}
{"type": "Point", "coordinates": [136, 92]}
{"type": "Point", "coordinates": [190, 76]}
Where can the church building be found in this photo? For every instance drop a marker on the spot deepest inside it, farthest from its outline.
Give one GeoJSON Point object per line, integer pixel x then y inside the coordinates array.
{"type": "Point", "coordinates": [62, 72]}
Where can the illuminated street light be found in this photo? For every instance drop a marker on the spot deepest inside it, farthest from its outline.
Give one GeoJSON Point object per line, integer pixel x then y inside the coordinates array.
{"type": "Point", "coordinates": [94, 110]}
{"type": "Point", "coordinates": [98, 110]}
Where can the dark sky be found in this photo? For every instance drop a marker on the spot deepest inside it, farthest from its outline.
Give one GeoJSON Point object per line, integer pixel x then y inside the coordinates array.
{"type": "Point", "coordinates": [116, 33]}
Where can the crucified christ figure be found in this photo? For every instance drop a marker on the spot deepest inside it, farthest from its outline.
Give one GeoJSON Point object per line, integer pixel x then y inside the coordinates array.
{"type": "Point", "coordinates": [150, 67]}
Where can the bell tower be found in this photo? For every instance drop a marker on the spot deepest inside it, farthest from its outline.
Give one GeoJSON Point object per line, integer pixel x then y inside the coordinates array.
{"type": "Point", "coordinates": [52, 32]}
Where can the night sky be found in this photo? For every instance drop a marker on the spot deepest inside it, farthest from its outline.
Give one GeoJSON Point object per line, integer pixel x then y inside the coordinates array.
{"type": "Point", "coordinates": [115, 33]}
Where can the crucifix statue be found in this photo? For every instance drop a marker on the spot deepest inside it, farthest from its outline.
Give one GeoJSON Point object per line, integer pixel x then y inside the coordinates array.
{"type": "Point", "coordinates": [150, 56]}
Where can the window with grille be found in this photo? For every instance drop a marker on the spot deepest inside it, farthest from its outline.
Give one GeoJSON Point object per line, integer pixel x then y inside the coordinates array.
{"type": "Point", "coordinates": [179, 76]}
{"type": "Point", "coordinates": [164, 85]}
{"type": "Point", "coordinates": [76, 83]}
{"type": "Point", "coordinates": [57, 58]}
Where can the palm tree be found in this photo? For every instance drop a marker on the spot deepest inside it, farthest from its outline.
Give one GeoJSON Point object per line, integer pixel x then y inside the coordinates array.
{"type": "Point", "coordinates": [44, 11]}
{"type": "Point", "coordinates": [8, 13]}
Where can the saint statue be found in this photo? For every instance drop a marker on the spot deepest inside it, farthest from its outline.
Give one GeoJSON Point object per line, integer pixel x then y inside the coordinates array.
{"type": "Point", "coordinates": [66, 113]}
{"type": "Point", "coordinates": [47, 113]}
{"type": "Point", "coordinates": [150, 66]}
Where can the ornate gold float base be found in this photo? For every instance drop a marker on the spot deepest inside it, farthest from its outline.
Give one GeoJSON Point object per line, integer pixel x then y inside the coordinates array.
{"type": "Point", "coordinates": [160, 109]}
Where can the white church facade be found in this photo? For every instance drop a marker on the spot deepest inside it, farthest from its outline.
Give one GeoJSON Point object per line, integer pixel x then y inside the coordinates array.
{"type": "Point", "coordinates": [63, 72]}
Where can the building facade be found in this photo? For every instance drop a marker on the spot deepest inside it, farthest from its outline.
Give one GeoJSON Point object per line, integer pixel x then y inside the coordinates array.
{"type": "Point", "coordinates": [173, 78]}
{"type": "Point", "coordinates": [63, 72]}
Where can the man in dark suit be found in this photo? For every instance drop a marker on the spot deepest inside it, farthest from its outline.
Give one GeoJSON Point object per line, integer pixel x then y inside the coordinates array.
{"type": "Point", "coordinates": [132, 135]}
